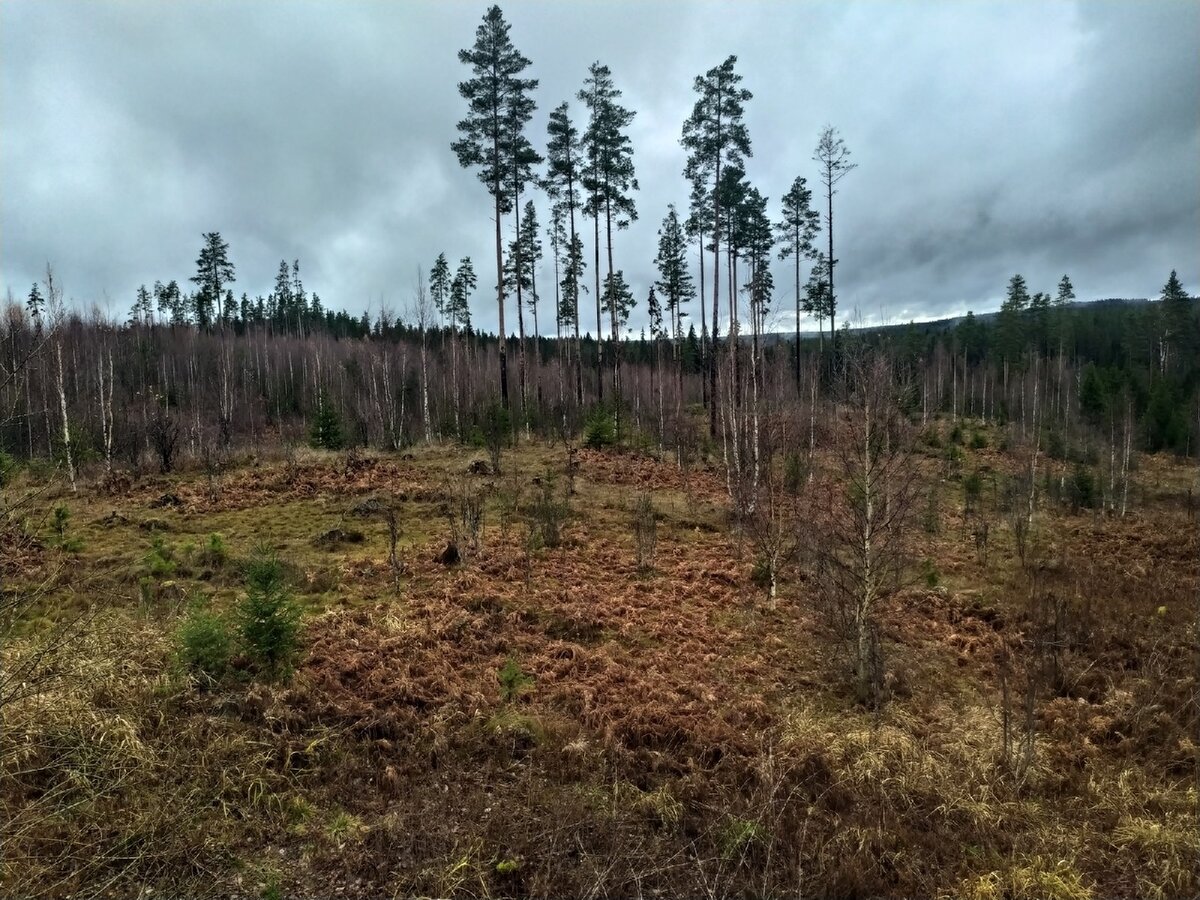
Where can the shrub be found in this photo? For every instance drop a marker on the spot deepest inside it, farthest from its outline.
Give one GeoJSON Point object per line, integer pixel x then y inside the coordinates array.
{"type": "Point", "coordinates": [65, 542]}
{"type": "Point", "coordinates": [953, 457]}
{"type": "Point", "coordinates": [160, 561]}
{"type": "Point", "coordinates": [508, 502]}
{"type": "Point", "coordinates": [71, 545]}
{"type": "Point", "coordinates": [956, 434]}
{"type": "Point", "coordinates": [933, 515]}
{"type": "Point", "coordinates": [268, 619]}
{"type": "Point", "coordinates": [930, 573]}
{"type": "Point", "coordinates": [645, 531]}
{"type": "Point", "coordinates": [738, 836]}
{"type": "Point", "coordinates": [8, 468]}
{"type": "Point", "coordinates": [214, 553]}
{"type": "Point", "coordinates": [513, 682]}
{"type": "Point", "coordinates": [62, 515]}
{"type": "Point", "coordinates": [600, 429]}
{"type": "Point", "coordinates": [205, 644]}
{"type": "Point", "coordinates": [794, 473]}
{"type": "Point", "coordinates": [464, 509]}
{"type": "Point", "coordinates": [1082, 488]}
{"type": "Point", "coordinates": [1056, 445]}
{"type": "Point", "coordinates": [496, 428]}
{"type": "Point", "coordinates": [979, 440]}
{"type": "Point", "coordinates": [547, 513]}
{"type": "Point", "coordinates": [972, 488]}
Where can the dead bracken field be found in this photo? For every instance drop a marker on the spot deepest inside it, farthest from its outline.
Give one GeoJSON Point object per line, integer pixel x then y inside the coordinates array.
{"type": "Point", "coordinates": [551, 715]}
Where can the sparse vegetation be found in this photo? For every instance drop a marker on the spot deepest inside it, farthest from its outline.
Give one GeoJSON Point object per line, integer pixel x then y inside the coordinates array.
{"type": "Point", "coordinates": [297, 601]}
{"type": "Point", "coordinates": [205, 643]}
{"type": "Point", "coordinates": [625, 691]}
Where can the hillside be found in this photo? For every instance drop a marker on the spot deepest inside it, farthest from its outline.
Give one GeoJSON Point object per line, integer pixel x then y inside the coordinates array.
{"type": "Point", "coordinates": [548, 718]}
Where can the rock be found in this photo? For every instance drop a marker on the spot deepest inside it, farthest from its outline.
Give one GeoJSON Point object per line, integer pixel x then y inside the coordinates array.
{"type": "Point", "coordinates": [372, 506]}
{"type": "Point", "coordinates": [336, 536]}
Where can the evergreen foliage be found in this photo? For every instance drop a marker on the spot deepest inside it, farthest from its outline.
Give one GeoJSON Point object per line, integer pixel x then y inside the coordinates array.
{"type": "Point", "coordinates": [326, 433]}
{"type": "Point", "coordinates": [268, 618]}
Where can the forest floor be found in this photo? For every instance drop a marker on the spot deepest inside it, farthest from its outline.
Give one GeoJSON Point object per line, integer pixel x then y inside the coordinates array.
{"type": "Point", "coordinates": [662, 730]}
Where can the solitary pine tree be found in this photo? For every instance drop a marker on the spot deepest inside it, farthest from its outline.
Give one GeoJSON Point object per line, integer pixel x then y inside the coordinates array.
{"type": "Point", "coordinates": [520, 107]}
{"type": "Point", "coordinates": [1066, 292]}
{"type": "Point", "coordinates": [732, 192]}
{"type": "Point", "coordinates": [715, 135]}
{"type": "Point", "coordinates": [213, 272]}
{"type": "Point", "coordinates": [142, 309]}
{"type": "Point", "coordinates": [610, 178]}
{"type": "Point", "coordinates": [461, 289]}
{"type": "Point", "coordinates": [439, 285]}
{"type": "Point", "coordinates": [1173, 291]}
{"type": "Point", "coordinates": [1180, 324]}
{"type": "Point", "coordinates": [758, 239]}
{"type": "Point", "coordinates": [619, 299]}
{"type": "Point", "coordinates": [1011, 319]}
{"type": "Point", "coordinates": [697, 225]}
{"type": "Point", "coordinates": [617, 296]}
{"type": "Point", "coordinates": [816, 293]}
{"type": "Point", "coordinates": [458, 311]}
{"type": "Point", "coordinates": [562, 182]}
{"type": "Point", "coordinates": [491, 94]}
{"type": "Point", "coordinates": [833, 157]}
{"type": "Point", "coordinates": [35, 305]}
{"type": "Point", "coordinates": [674, 276]}
{"type": "Point", "coordinates": [572, 286]}
{"type": "Point", "coordinates": [530, 257]}
{"type": "Point", "coordinates": [796, 230]}
{"type": "Point", "coordinates": [281, 298]}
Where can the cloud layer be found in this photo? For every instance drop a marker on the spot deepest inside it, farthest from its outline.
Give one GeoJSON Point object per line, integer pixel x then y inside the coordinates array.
{"type": "Point", "coordinates": [990, 139]}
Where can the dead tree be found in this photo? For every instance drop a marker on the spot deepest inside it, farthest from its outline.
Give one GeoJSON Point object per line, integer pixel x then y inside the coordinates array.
{"type": "Point", "coordinates": [58, 315]}
{"type": "Point", "coordinates": [862, 548]}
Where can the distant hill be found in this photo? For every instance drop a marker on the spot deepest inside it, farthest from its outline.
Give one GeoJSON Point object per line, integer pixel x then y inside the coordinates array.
{"type": "Point", "coordinates": [947, 323]}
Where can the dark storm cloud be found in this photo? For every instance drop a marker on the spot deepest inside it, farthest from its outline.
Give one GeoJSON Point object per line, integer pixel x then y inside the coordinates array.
{"type": "Point", "coordinates": [991, 139]}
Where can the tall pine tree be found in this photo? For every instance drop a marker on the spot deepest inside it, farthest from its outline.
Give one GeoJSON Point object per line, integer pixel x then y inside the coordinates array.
{"type": "Point", "coordinates": [797, 229]}
{"type": "Point", "coordinates": [833, 157]}
{"type": "Point", "coordinates": [213, 272]}
{"type": "Point", "coordinates": [493, 94]}
{"type": "Point", "coordinates": [715, 135]}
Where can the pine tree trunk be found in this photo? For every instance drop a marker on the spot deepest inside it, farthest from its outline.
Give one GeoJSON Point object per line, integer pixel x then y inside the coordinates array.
{"type": "Point", "coordinates": [520, 311]}
{"type": "Point", "coordinates": [500, 298]}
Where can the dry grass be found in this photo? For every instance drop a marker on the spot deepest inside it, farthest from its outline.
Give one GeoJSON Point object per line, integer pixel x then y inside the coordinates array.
{"type": "Point", "coordinates": [677, 736]}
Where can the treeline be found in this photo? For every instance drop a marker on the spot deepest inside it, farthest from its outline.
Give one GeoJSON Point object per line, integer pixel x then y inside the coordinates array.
{"type": "Point", "coordinates": [131, 395]}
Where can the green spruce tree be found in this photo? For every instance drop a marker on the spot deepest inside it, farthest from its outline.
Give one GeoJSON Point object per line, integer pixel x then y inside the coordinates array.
{"type": "Point", "coordinates": [326, 432]}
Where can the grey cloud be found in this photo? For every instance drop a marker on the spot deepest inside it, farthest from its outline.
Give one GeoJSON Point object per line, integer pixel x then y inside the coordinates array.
{"type": "Point", "coordinates": [991, 139]}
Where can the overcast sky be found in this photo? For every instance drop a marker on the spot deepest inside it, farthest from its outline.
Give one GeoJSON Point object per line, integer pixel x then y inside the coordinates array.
{"type": "Point", "coordinates": [1042, 138]}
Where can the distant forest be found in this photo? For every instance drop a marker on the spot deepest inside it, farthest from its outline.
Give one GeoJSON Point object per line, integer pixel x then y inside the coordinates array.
{"type": "Point", "coordinates": [164, 387]}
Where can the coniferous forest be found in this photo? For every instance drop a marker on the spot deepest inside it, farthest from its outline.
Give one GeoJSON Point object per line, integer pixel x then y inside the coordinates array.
{"type": "Point", "coordinates": [302, 601]}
